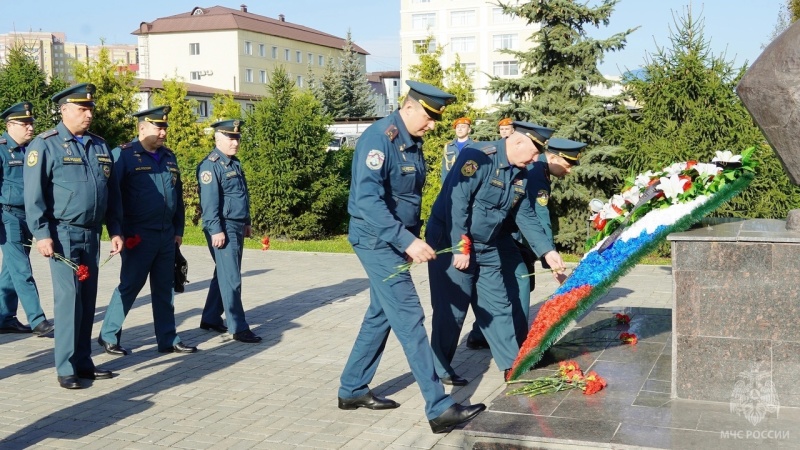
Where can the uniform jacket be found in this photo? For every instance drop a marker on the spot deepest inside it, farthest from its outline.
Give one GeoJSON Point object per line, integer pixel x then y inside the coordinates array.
{"type": "Point", "coordinates": [151, 191]}
{"type": "Point", "coordinates": [486, 191]}
{"type": "Point", "coordinates": [451, 152]}
{"type": "Point", "coordinates": [13, 160]}
{"type": "Point", "coordinates": [223, 191]}
{"type": "Point", "coordinates": [66, 181]}
{"type": "Point", "coordinates": [388, 173]}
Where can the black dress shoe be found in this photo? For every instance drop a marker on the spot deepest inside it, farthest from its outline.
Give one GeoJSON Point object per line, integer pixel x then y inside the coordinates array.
{"type": "Point", "coordinates": [476, 344]}
{"type": "Point", "coordinates": [455, 380]}
{"type": "Point", "coordinates": [96, 374]}
{"type": "Point", "coordinates": [368, 401]}
{"type": "Point", "coordinates": [455, 415]}
{"type": "Point", "coordinates": [44, 328]}
{"type": "Point", "coordinates": [112, 349]}
{"type": "Point", "coordinates": [247, 336]}
{"type": "Point", "coordinates": [210, 326]}
{"type": "Point", "coordinates": [15, 327]}
{"type": "Point", "coordinates": [180, 347]}
{"type": "Point", "coordinates": [69, 382]}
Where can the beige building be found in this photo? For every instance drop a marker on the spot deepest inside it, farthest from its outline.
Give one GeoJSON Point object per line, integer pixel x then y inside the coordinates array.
{"type": "Point", "coordinates": [473, 29]}
{"type": "Point", "coordinates": [55, 56]}
{"type": "Point", "coordinates": [233, 49]}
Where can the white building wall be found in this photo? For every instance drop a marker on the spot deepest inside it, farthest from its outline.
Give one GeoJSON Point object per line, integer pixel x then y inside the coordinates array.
{"type": "Point", "coordinates": [169, 54]}
{"type": "Point", "coordinates": [475, 23]}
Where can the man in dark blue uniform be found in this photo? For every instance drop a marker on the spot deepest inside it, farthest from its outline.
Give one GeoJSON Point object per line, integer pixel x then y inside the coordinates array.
{"type": "Point", "coordinates": [225, 204]}
{"type": "Point", "coordinates": [385, 199]}
{"type": "Point", "coordinates": [66, 199]}
{"type": "Point", "coordinates": [462, 126]}
{"type": "Point", "coordinates": [146, 185]}
{"type": "Point", "coordinates": [475, 202]}
{"type": "Point", "coordinates": [16, 279]}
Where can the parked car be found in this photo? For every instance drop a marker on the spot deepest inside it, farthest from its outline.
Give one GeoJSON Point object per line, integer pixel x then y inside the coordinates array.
{"type": "Point", "coordinates": [345, 140]}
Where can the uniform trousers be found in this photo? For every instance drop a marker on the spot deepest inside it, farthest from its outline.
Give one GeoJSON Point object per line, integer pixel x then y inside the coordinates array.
{"type": "Point", "coordinates": [16, 278]}
{"type": "Point", "coordinates": [225, 291]}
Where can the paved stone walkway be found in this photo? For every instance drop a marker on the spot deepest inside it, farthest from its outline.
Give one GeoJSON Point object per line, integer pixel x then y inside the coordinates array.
{"type": "Point", "coordinates": [278, 394]}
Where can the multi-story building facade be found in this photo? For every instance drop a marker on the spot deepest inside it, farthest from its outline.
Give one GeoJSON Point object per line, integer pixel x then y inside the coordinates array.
{"type": "Point", "coordinates": [233, 49]}
{"type": "Point", "coordinates": [385, 91]}
{"type": "Point", "coordinates": [55, 55]}
{"type": "Point", "coordinates": [475, 30]}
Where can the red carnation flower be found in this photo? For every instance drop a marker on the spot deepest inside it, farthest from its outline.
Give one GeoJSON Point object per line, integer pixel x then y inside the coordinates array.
{"type": "Point", "coordinates": [132, 241]}
{"type": "Point", "coordinates": [82, 272]}
{"type": "Point", "coordinates": [265, 243]}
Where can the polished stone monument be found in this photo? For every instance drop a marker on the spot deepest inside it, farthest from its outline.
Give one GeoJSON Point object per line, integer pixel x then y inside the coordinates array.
{"type": "Point", "coordinates": [736, 295]}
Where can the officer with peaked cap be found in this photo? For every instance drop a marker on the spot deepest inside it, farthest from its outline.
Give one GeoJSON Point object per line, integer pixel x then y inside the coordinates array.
{"type": "Point", "coordinates": [147, 187]}
{"type": "Point", "coordinates": [16, 279]}
{"type": "Point", "coordinates": [66, 201]}
{"type": "Point", "coordinates": [225, 205]}
{"type": "Point", "coordinates": [462, 126]}
{"type": "Point", "coordinates": [385, 199]}
{"type": "Point", "coordinates": [487, 190]}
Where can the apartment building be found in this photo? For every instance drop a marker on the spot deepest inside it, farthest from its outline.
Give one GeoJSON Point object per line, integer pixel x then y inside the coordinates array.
{"type": "Point", "coordinates": [233, 49]}
{"type": "Point", "coordinates": [385, 91]}
{"type": "Point", "coordinates": [475, 30]}
{"type": "Point", "coordinates": [55, 55]}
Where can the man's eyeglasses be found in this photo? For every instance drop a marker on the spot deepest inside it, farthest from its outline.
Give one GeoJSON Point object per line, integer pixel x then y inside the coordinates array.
{"type": "Point", "coordinates": [23, 124]}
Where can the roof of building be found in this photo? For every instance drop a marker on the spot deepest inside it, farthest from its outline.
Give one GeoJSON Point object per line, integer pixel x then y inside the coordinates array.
{"type": "Point", "coordinates": [218, 18]}
{"type": "Point", "coordinates": [378, 76]}
{"type": "Point", "coordinates": [194, 89]}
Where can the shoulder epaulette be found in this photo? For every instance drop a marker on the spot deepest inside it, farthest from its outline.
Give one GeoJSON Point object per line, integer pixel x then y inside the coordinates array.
{"type": "Point", "coordinates": [48, 133]}
{"type": "Point", "coordinates": [392, 132]}
{"type": "Point", "coordinates": [170, 152]}
{"type": "Point", "coordinates": [489, 150]}
{"type": "Point", "coordinates": [3, 141]}
{"type": "Point", "coordinates": [213, 157]}
{"type": "Point", "coordinates": [126, 146]}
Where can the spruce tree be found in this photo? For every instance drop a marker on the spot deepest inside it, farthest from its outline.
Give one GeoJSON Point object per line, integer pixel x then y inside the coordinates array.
{"type": "Point", "coordinates": [356, 93]}
{"type": "Point", "coordinates": [295, 191]}
{"type": "Point", "coordinates": [689, 110]}
{"type": "Point", "coordinates": [553, 90]}
{"type": "Point", "coordinates": [115, 98]}
{"type": "Point", "coordinates": [21, 79]}
{"type": "Point", "coordinates": [328, 87]}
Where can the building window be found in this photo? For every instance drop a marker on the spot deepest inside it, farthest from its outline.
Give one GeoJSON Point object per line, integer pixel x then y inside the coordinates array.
{"type": "Point", "coordinates": [194, 75]}
{"type": "Point", "coordinates": [262, 75]}
{"type": "Point", "coordinates": [423, 21]}
{"type": "Point", "coordinates": [299, 81]}
{"type": "Point", "coordinates": [250, 107]}
{"type": "Point", "coordinates": [499, 17]}
{"type": "Point", "coordinates": [194, 48]}
{"type": "Point", "coordinates": [501, 68]}
{"type": "Point", "coordinates": [422, 46]}
{"type": "Point", "coordinates": [274, 52]}
{"type": "Point", "coordinates": [299, 56]}
{"type": "Point", "coordinates": [462, 18]}
{"type": "Point", "coordinates": [469, 68]}
{"type": "Point", "coordinates": [463, 44]}
{"type": "Point", "coordinates": [262, 50]}
{"type": "Point", "coordinates": [248, 48]}
{"type": "Point", "coordinates": [286, 54]}
{"type": "Point", "coordinates": [504, 41]}
{"type": "Point", "coordinates": [248, 75]}
{"type": "Point", "coordinates": [310, 58]}
{"type": "Point", "coordinates": [202, 108]}
{"type": "Point", "coordinates": [321, 60]}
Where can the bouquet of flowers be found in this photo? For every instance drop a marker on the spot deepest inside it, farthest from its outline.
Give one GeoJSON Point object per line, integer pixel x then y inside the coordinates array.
{"type": "Point", "coordinates": [464, 246]}
{"type": "Point", "coordinates": [630, 225]}
{"type": "Point", "coordinates": [569, 376]}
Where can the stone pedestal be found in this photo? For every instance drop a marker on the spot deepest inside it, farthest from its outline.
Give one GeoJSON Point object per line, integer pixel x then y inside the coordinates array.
{"type": "Point", "coordinates": [736, 310]}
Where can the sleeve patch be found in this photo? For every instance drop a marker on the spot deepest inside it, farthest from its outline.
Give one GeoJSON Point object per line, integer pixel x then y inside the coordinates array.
{"type": "Point", "coordinates": [205, 177]}
{"type": "Point", "coordinates": [33, 158]}
{"type": "Point", "coordinates": [469, 168]}
{"type": "Point", "coordinates": [375, 159]}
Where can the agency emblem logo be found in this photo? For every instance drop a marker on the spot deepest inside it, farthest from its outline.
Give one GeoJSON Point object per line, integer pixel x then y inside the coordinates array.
{"type": "Point", "coordinates": [754, 395]}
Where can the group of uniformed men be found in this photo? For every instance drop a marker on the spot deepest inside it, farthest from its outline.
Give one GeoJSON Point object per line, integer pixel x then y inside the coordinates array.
{"type": "Point", "coordinates": [496, 194]}
{"type": "Point", "coordinates": [61, 186]}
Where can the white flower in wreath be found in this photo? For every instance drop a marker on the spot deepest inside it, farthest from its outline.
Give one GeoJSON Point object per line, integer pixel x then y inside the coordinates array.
{"type": "Point", "coordinates": [673, 186]}
{"type": "Point", "coordinates": [707, 170]}
{"type": "Point", "coordinates": [632, 195]}
{"type": "Point", "coordinates": [726, 156]}
{"type": "Point", "coordinates": [608, 212]}
{"type": "Point", "coordinates": [643, 179]}
{"type": "Point", "coordinates": [618, 204]}
{"type": "Point", "coordinates": [675, 169]}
